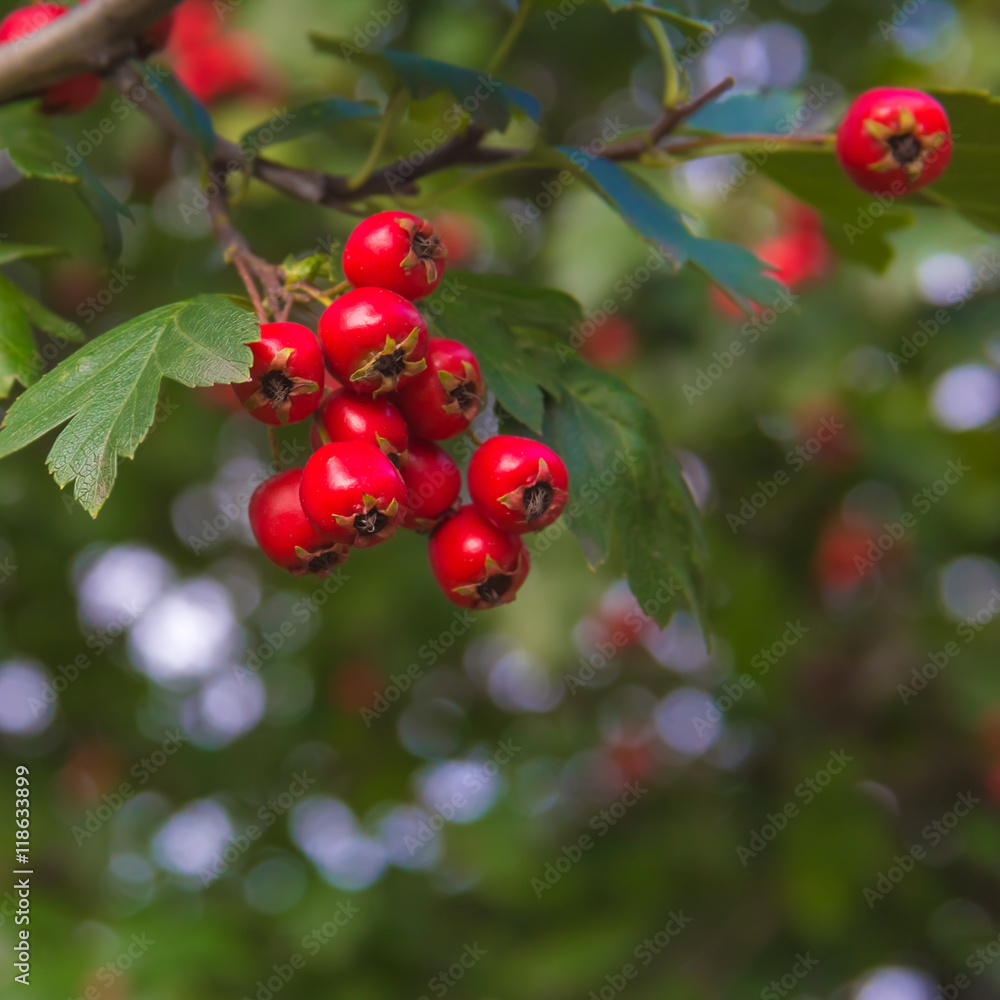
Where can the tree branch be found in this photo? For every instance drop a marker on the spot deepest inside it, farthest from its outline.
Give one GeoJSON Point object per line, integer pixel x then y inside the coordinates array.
{"type": "Point", "coordinates": [93, 37]}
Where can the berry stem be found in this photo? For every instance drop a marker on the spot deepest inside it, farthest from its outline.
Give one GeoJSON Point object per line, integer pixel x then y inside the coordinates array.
{"type": "Point", "coordinates": [508, 40]}
{"type": "Point", "coordinates": [714, 145]}
{"type": "Point", "coordinates": [272, 439]}
{"type": "Point", "coordinates": [394, 111]}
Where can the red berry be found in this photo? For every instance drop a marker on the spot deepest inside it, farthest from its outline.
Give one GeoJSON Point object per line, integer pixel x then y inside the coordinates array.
{"type": "Point", "coordinates": [610, 342]}
{"type": "Point", "coordinates": [157, 34]}
{"type": "Point", "coordinates": [349, 416]}
{"type": "Point", "coordinates": [284, 534]}
{"type": "Point", "coordinates": [394, 250]}
{"type": "Point", "coordinates": [74, 94]}
{"type": "Point", "coordinates": [893, 140]}
{"type": "Point", "coordinates": [433, 482]}
{"type": "Point", "coordinates": [519, 484]}
{"type": "Point", "coordinates": [353, 493]}
{"type": "Point", "coordinates": [446, 396]}
{"type": "Point", "coordinates": [475, 563]}
{"type": "Point", "coordinates": [374, 340]}
{"type": "Point", "coordinates": [286, 377]}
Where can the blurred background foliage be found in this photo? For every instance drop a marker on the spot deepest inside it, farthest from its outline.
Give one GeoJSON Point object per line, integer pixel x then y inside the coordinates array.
{"type": "Point", "coordinates": [688, 763]}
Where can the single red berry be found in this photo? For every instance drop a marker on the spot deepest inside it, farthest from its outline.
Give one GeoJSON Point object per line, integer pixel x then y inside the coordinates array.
{"type": "Point", "coordinates": [893, 140]}
{"type": "Point", "coordinates": [394, 250]}
{"type": "Point", "coordinates": [374, 340]}
{"type": "Point", "coordinates": [519, 484]}
{"type": "Point", "coordinates": [284, 534]}
{"type": "Point", "coordinates": [71, 95]}
{"type": "Point", "coordinates": [433, 482]}
{"type": "Point", "coordinates": [447, 395]}
{"type": "Point", "coordinates": [350, 416]}
{"type": "Point", "coordinates": [286, 376]}
{"type": "Point", "coordinates": [609, 343]}
{"type": "Point", "coordinates": [475, 563]}
{"type": "Point", "coordinates": [353, 493]}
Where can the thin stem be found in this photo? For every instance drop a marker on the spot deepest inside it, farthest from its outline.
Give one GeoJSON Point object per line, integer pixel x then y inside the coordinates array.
{"type": "Point", "coordinates": [393, 112]}
{"type": "Point", "coordinates": [311, 291]}
{"type": "Point", "coordinates": [671, 71]}
{"type": "Point", "coordinates": [715, 145]}
{"type": "Point", "coordinates": [272, 439]}
{"type": "Point", "coordinates": [248, 282]}
{"type": "Point", "coordinates": [508, 40]}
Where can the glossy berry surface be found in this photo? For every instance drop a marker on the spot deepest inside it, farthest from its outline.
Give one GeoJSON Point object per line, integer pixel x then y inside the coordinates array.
{"type": "Point", "coordinates": [519, 484]}
{"type": "Point", "coordinates": [433, 483]}
{"type": "Point", "coordinates": [351, 416]}
{"type": "Point", "coordinates": [475, 563]}
{"type": "Point", "coordinates": [74, 94]}
{"type": "Point", "coordinates": [394, 250]}
{"type": "Point", "coordinates": [893, 140]}
{"type": "Point", "coordinates": [447, 395]}
{"type": "Point", "coordinates": [283, 532]}
{"type": "Point", "coordinates": [373, 340]}
{"type": "Point", "coordinates": [286, 377]}
{"type": "Point", "coordinates": [353, 493]}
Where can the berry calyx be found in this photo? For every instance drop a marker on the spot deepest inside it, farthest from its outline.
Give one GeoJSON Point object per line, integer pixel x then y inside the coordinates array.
{"type": "Point", "coordinates": [349, 416]}
{"type": "Point", "coordinates": [433, 482]}
{"type": "Point", "coordinates": [283, 532]}
{"type": "Point", "coordinates": [353, 493]}
{"type": "Point", "coordinates": [519, 484]}
{"type": "Point", "coordinates": [395, 250]}
{"type": "Point", "coordinates": [894, 140]}
{"type": "Point", "coordinates": [373, 340]}
{"type": "Point", "coordinates": [286, 376]}
{"type": "Point", "coordinates": [70, 95]}
{"type": "Point", "coordinates": [446, 397]}
{"type": "Point", "coordinates": [475, 563]}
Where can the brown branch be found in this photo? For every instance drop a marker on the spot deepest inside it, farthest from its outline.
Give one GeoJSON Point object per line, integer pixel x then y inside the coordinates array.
{"type": "Point", "coordinates": [93, 37]}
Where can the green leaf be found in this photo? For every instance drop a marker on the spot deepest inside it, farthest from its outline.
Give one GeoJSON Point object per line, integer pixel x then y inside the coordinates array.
{"type": "Point", "coordinates": [32, 145]}
{"type": "Point", "coordinates": [969, 184]}
{"type": "Point", "coordinates": [761, 113]}
{"type": "Point", "coordinates": [735, 269]}
{"type": "Point", "coordinates": [488, 101]}
{"type": "Point", "coordinates": [489, 314]}
{"type": "Point", "coordinates": [108, 389]}
{"type": "Point", "coordinates": [856, 223]}
{"type": "Point", "coordinates": [18, 358]}
{"type": "Point", "coordinates": [690, 27]}
{"type": "Point", "coordinates": [18, 251]}
{"type": "Point", "coordinates": [623, 481]}
{"type": "Point", "coordinates": [312, 117]}
{"type": "Point", "coordinates": [37, 150]}
{"type": "Point", "coordinates": [189, 112]}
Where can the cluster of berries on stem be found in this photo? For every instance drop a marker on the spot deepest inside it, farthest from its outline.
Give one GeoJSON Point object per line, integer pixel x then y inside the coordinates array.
{"type": "Point", "coordinates": [377, 465]}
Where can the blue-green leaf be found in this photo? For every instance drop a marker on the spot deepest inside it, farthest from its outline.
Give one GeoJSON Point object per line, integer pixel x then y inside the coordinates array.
{"type": "Point", "coordinates": [186, 108]}
{"type": "Point", "coordinates": [735, 269]}
{"type": "Point", "coordinates": [764, 113]}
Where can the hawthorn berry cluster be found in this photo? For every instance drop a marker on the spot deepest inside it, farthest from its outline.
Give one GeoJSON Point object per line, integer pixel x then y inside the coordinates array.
{"type": "Point", "coordinates": [377, 465]}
